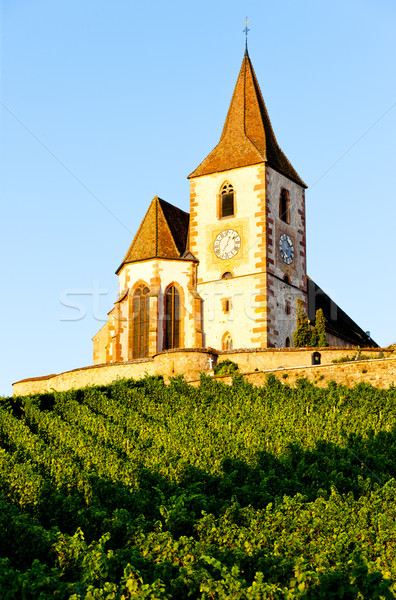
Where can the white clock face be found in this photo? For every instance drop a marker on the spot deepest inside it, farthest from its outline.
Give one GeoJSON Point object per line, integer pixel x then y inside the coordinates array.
{"type": "Point", "coordinates": [286, 248]}
{"type": "Point", "coordinates": [227, 244]}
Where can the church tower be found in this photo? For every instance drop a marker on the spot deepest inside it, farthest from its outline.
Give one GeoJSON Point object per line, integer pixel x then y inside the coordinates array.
{"type": "Point", "coordinates": [247, 229]}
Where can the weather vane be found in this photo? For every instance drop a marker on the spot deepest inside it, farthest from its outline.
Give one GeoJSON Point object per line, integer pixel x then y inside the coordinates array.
{"type": "Point", "coordinates": [246, 30]}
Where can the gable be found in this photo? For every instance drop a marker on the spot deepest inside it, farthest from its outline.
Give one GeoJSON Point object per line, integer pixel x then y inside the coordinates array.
{"type": "Point", "coordinates": [162, 234]}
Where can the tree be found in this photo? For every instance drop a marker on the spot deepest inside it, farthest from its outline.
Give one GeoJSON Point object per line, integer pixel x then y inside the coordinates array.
{"type": "Point", "coordinates": [313, 338]}
{"type": "Point", "coordinates": [302, 336]}
{"type": "Point", "coordinates": [320, 328]}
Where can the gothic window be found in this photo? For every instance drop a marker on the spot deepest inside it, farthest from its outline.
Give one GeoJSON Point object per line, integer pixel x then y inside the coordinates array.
{"type": "Point", "coordinates": [172, 318]}
{"type": "Point", "coordinates": [227, 200]}
{"type": "Point", "coordinates": [284, 206]}
{"type": "Point", "coordinates": [287, 307]}
{"type": "Point", "coordinates": [287, 343]}
{"type": "Point", "coordinates": [227, 342]}
{"type": "Point", "coordinates": [140, 322]}
{"type": "Point", "coordinates": [286, 279]}
{"type": "Point", "coordinates": [227, 275]}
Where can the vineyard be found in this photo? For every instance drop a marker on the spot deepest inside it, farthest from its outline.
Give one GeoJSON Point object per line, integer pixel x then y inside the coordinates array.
{"type": "Point", "coordinates": [146, 490]}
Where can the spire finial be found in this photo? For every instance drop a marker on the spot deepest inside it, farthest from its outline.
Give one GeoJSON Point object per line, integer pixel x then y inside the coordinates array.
{"type": "Point", "coordinates": [246, 30]}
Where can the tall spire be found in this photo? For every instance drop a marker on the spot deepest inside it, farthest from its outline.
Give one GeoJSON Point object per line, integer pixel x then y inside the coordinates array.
{"type": "Point", "coordinates": [247, 136]}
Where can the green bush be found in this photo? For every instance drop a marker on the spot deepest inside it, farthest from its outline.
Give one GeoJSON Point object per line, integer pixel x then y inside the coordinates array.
{"type": "Point", "coordinates": [226, 367]}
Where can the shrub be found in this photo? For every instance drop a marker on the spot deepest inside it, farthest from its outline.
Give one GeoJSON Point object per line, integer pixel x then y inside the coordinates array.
{"type": "Point", "coordinates": [226, 367]}
{"type": "Point", "coordinates": [301, 337]}
{"type": "Point", "coordinates": [320, 329]}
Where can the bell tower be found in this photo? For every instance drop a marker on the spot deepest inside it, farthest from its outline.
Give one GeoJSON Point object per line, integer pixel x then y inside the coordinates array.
{"type": "Point", "coordinates": [247, 229]}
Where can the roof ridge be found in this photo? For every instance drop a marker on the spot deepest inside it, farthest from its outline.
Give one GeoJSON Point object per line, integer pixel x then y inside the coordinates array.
{"type": "Point", "coordinates": [159, 207]}
{"type": "Point", "coordinates": [156, 225]}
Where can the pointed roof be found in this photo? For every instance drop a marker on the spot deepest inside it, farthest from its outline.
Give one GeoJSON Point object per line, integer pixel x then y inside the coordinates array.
{"type": "Point", "coordinates": [247, 136]}
{"type": "Point", "coordinates": [162, 234]}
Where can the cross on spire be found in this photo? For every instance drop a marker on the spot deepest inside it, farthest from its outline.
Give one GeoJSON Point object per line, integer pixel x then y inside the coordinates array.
{"type": "Point", "coordinates": [246, 30]}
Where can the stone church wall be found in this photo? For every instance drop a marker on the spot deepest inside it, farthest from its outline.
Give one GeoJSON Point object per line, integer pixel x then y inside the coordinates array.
{"type": "Point", "coordinates": [192, 362]}
{"type": "Point", "coordinates": [282, 296]}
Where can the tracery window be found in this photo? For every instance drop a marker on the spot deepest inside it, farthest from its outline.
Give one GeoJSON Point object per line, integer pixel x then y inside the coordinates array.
{"type": "Point", "coordinates": [140, 322]}
{"type": "Point", "coordinates": [227, 275]}
{"type": "Point", "coordinates": [172, 318]}
{"type": "Point", "coordinates": [227, 342]}
{"type": "Point", "coordinates": [284, 206]}
{"type": "Point", "coordinates": [227, 200]}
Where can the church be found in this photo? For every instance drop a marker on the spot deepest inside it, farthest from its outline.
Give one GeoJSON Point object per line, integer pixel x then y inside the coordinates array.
{"type": "Point", "coordinates": [228, 274]}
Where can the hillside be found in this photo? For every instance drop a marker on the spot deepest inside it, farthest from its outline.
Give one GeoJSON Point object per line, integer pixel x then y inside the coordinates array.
{"type": "Point", "coordinates": [142, 490]}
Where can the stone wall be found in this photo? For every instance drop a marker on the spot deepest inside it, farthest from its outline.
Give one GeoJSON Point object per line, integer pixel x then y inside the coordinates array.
{"type": "Point", "coordinates": [274, 358]}
{"type": "Point", "coordinates": [288, 364]}
{"type": "Point", "coordinates": [190, 362]}
{"type": "Point", "coordinates": [380, 373]}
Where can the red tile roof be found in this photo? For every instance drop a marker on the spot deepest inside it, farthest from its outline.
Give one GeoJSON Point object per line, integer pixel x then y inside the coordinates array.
{"type": "Point", "coordinates": [247, 136]}
{"type": "Point", "coordinates": [162, 234]}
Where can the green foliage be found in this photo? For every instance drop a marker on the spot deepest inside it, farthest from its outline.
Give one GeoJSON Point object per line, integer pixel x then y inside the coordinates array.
{"type": "Point", "coordinates": [226, 367]}
{"type": "Point", "coordinates": [304, 336]}
{"type": "Point", "coordinates": [358, 356]}
{"type": "Point", "coordinates": [301, 336]}
{"type": "Point", "coordinates": [142, 490]}
{"type": "Point", "coordinates": [320, 329]}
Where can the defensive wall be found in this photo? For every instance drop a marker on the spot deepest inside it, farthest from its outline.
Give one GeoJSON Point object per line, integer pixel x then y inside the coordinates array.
{"type": "Point", "coordinates": [288, 364]}
{"type": "Point", "coordinates": [380, 373]}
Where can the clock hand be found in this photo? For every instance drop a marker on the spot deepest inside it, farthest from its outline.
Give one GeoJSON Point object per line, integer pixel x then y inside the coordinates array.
{"type": "Point", "coordinates": [226, 246]}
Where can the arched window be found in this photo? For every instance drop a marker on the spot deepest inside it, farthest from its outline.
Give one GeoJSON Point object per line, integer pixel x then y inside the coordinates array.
{"type": "Point", "coordinates": [226, 200]}
{"type": "Point", "coordinates": [284, 206]}
{"type": "Point", "coordinates": [287, 343]}
{"type": "Point", "coordinates": [140, 323]}
{"type": "Point", "coordinates": [287, 307]}
{"type": "Point", "coordinates": [227, 275]}
{"type": "Point", "coordinates": [227, 342]}
{"type": "Point", "coordinates": [286, 279]}
{"type": "Point", "coordinates": [172, 318]}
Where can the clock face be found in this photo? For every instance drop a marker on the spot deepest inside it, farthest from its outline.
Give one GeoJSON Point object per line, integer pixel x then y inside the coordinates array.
{"type": "Point", "coordinates": [227, 244]}
{"type": "Point", "coordinates": [286, 248]}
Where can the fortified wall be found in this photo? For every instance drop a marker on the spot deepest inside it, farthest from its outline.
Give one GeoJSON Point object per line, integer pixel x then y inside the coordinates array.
{"type": "Point", "coordinates": [288, 364]}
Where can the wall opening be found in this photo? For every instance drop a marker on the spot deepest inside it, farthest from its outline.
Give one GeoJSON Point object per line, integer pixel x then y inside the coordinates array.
{"type": "Point", "coordinates": [227, 200]}
{"type": "Point", "coordinates": [284, 206]}
{"type": "Point", "coordinates": [140, 322]}
{"type": "Point", "coordinates": [226, 343]}
{"type": "Point", "coordinates": [172, 318]}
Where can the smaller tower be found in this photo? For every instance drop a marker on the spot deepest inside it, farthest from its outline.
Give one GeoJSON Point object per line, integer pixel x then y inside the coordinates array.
{"type": "Point", "coordinates": [158, 307]}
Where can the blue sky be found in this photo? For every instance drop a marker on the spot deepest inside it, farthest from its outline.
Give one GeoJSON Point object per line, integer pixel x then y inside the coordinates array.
{"type": "Point", "coordinates": [104, 106]}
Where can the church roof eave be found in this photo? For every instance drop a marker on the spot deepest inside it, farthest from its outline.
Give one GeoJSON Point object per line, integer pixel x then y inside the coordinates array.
{"type": "Point", "coordinates": [223, 170]}
{"type": "Point", "coordinates": [132, 262]}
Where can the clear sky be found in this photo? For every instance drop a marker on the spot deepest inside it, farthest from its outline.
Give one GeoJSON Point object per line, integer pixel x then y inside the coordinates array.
{"type": "Point", "coordinates": [105, 105]}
